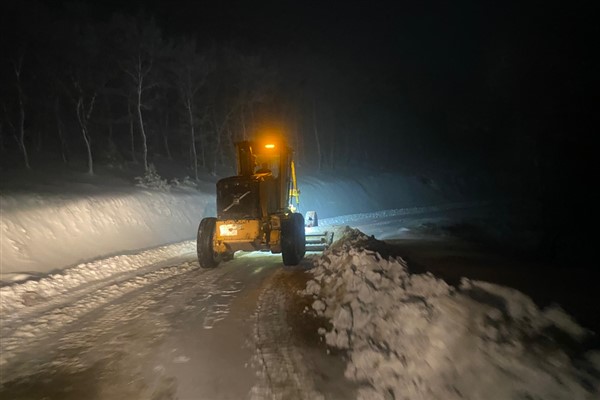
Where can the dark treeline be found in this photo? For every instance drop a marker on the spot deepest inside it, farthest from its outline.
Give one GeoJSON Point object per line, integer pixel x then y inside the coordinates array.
{"type": "Point", "coordinates": [506, 87]}
{"type": "Point", "coordinates": [121, 90]}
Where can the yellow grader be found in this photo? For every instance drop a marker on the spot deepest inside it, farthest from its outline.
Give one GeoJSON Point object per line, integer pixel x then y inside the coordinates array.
{"type": "Point", "coordinates": [258, 209]}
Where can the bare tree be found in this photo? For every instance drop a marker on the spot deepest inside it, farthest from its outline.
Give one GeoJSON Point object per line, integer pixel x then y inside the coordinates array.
{"type": "Point", "coordinates": [83, 99]}
{"type": "Point", "coordinates": [60, 127]}
{"type": "Point", "coordinates": [85, 80]}
{"type": "Point", "coordinates": [138, 74]}
{"type": "Point", "coordinates": [143, 46]}
{"type": "Point", "coordinates": [191, 70]}
{"type": "Point", "coordinates": [164, 129]}
{"type": "Point", "coordinates": [131, 130]}
{"type": "Point", "coordinates": [84, 105]}
{"type": "Point", "coordinates": [20, 129]}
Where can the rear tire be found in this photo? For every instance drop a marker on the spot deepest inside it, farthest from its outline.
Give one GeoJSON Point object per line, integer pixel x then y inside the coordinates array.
{"type": "Point", "coordinates": [293, 241]}
{"type": "Point", "coordinates": [207, 257]}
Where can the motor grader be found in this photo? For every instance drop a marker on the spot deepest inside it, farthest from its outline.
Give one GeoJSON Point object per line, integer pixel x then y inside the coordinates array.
{"type": "Point", "coordinates": [257, 209]}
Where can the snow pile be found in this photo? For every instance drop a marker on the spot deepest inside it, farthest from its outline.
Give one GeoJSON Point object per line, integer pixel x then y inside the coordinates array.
{"type": "Point", "coordinates": [414, 337]}
{"type": "Point", "coordinates": [42, 233]}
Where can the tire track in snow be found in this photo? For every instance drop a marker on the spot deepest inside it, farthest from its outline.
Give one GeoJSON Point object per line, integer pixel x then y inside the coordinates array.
{"type": "Point", "coordinates": [116, 304]}
{"type": "Point", "coordinates": [23, 300]}
{"type": "Point", "coordinates": [281, 370]}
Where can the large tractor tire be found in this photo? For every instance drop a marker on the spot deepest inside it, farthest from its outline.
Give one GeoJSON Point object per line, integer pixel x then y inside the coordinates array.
{"type": "Point", "coordinates": [293, 245]}
{"type": "Point", "coordinates": [207, 257]}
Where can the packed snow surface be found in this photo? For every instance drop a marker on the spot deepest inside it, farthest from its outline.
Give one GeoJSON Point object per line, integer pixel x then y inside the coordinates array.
{"type": "Point", "coordinates": [413, 336]}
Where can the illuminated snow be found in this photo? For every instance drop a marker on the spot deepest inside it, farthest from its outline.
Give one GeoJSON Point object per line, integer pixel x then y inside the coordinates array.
{"type": "Point", "coordinates": [41, 234]}
{"type": "Point", "coordinates": [416, 337]}
{"type": "Point", "coordinates": [410, 335]}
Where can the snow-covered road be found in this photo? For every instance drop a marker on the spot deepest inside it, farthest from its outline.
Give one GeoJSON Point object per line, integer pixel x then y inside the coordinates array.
{"type": "Point", "coordinates": [166, 330]}
{"type": "Point", "coordinates": [360, 324]}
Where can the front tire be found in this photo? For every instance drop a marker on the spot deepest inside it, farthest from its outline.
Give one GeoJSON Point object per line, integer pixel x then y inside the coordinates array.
{"type": "Point", "coordinates": [293, 240]}
{"type": "Point", "coordinates": [207, 257]}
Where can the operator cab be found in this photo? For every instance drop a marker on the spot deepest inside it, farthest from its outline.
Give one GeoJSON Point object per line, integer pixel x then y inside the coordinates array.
{"type": "Point", "coordinates": [261, 187]}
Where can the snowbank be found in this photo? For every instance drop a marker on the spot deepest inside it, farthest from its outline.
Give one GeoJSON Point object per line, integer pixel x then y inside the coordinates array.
{"type": "Point", "coordinates": [25, 295]}
{"type": "Point", "coordinates": [41, 233]}
{"type": "Point", "coordinates": [415, 337]}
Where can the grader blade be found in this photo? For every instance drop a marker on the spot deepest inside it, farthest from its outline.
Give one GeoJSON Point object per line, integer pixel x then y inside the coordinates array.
{"type": "Point", "coordinates": [318, 240]}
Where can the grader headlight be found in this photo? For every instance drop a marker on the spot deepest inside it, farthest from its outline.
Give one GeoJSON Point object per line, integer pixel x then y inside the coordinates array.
{"type": "Point", "coordinates": [229, 229]}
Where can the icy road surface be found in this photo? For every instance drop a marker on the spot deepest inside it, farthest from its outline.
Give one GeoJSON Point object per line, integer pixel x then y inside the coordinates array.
{"type": "Point", "coordinates": [167, 330]}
